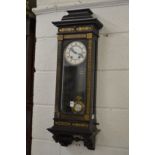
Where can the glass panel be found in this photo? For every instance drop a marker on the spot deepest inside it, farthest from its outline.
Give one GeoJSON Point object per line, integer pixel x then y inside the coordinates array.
{"type": "Point", "coordinates": [73, 97]}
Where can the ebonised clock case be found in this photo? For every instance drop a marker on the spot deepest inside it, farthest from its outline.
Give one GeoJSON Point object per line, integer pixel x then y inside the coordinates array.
{"type": "Point", "coordinates": [81, 26]}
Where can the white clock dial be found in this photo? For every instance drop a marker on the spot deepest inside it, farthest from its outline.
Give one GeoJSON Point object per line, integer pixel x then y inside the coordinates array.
{"type": "Point", "coordinates": [75, 53]}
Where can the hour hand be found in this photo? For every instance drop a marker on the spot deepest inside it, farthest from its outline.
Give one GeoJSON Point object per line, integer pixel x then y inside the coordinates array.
{"type": "Point", "coordinates": [80, 55]}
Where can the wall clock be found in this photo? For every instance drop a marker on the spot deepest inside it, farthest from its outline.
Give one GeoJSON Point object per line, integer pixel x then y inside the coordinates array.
{"type": "Point", "coordinates": [75, 102]}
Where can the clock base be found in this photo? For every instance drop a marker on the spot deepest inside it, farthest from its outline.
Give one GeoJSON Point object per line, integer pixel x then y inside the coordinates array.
{"type": "Point", "coordinates": [65, 138]}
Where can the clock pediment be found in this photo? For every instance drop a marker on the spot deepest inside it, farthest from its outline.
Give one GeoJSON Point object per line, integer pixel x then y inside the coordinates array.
{"type": "Point", "coordinates": [79, 17]}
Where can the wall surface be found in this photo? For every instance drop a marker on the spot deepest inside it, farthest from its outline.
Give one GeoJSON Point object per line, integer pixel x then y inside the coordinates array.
{"type": "Point", "coordinates": [112, 82]}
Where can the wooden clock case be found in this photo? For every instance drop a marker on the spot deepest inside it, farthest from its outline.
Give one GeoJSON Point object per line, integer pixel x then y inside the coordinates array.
{"type": "Point", "coordinates": [78, 25]}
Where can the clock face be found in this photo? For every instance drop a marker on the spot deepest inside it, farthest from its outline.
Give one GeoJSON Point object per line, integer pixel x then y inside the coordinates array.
{"type": "Point", "coordinates": [75, 53]}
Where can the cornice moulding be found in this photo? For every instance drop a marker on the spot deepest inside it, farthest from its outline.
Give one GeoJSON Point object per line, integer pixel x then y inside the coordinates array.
{"type": "Point", "coordinates": [78, 5]}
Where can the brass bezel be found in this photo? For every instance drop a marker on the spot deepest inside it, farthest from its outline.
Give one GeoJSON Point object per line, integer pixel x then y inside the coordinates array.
{"type": "Point", "coordinates": [82, 107]}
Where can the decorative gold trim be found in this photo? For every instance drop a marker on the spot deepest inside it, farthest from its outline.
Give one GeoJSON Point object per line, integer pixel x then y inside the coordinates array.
{"type": "Point", "coordinates": [62, 123]}
{"type": "Point", "coordinates": [80, 124]}
{"type": "Point", "coordinates": [86, 117]}
{"type": "Point", "coordinates": [68, 116]}
{"type": "Point", "coordinates": [89, 35]}
{"type": "Point", "coordinates": [75, 36]}
{"type": "Point", "coordinates": [68, 29]}
{"type": "Point", "coordinates": [89, 74]}
{"type": "Point", "coordinates": [75, 124]}
{"type": "Point", "coordinates": [79, 117]}
{"type": "Point", "coordinates": [60, 37]}
{"type": "Point", "coordinates": [84, 28]}
{"type": "Point", "coordinates": [76, 29]}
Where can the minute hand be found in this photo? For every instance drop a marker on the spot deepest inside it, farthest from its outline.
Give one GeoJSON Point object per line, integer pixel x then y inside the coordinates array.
{"type": "Point", "coordinates": [73, 51]}
{"type": "Point", "coordinates": [76, 52]}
